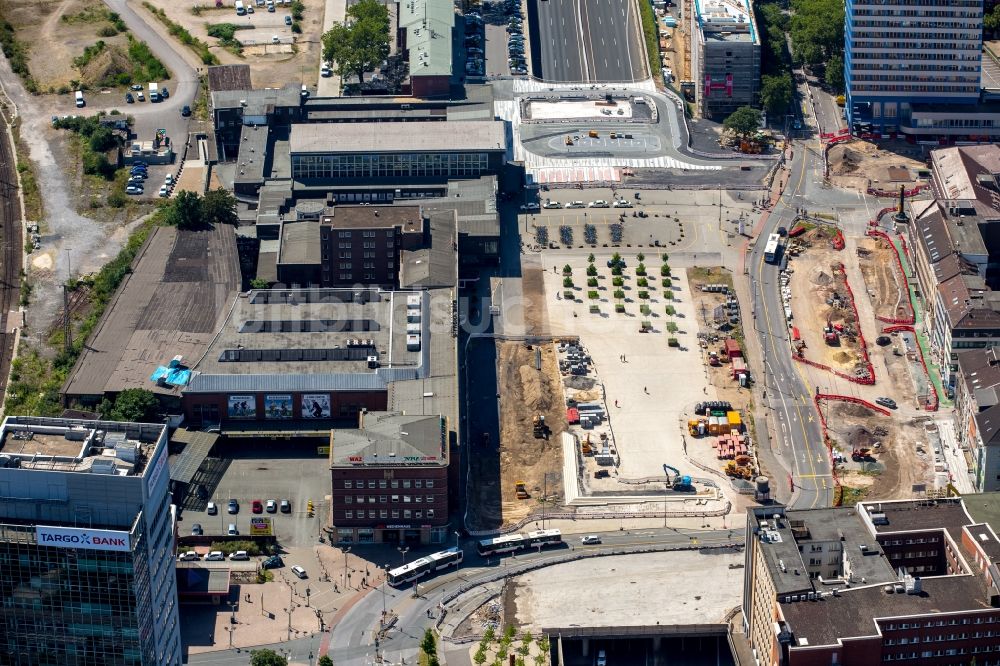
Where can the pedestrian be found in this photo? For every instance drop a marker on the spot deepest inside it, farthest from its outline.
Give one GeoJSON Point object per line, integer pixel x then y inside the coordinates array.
{"type": "Point", "coordinates": [616, 403]}
{"type": "Point", "coordinates": [645, 390]}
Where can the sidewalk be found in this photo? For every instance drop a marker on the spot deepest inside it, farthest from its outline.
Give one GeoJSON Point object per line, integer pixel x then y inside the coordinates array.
{"type": "Point", "coordinates": [335, 12]}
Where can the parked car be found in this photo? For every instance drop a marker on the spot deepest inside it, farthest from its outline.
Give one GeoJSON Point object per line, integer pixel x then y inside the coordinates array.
{"type": "Point", "coordinates": [135, 86]}
{"type": "Point", "coordinates": [232, 531]}
{"type": "Point", "coordinates": [129, 99]}
{"type": "Point", "coordinates": [164, 192]}
{"type": "Point", "coordinates": [621, 203]}
{"type": "Point", "coordinates": [288, 20]}
{"type": "Point", "coordinates": [212, 509]}
{"type": "Point", "coordinates": [240, 555]}
{"type": "Point", "coordinates": [234, 506]}
{"type": "Point", "coordinates": [886, 402]}
{"type": "Point", "coordinates": [189, 556]}
{"type": "Point", "coordinates": [196, 530]}
{"type": "Point", "coordinates": [257, 506]}
{"type": "Point", "coordinates": [576, 204]}
{"type": "Point", "coordinates": [600, 203]}
{"type": "Point", "coordinates": [530, 206]}
{"type": "Point", "coordinates": [133, 189]}
{"type": "Point", "coordinates": [141, 96]}
{"type": "Point", "coordinates": [164, 93]}
{"type": "Point", "coordinates": [273, 562]}
{"type": "Point", "coordinates": [185, 110]}
{"type": "Point", "coordinates": [272, 506]}
{"type": "Point", "coordinates": [215, 556]}
{"type": "Point", "coordinates": [590, 540]}
{"type": "Point", "coordinates": [552, 204]}
{"type": "Point", "coordinates": [299, 571]}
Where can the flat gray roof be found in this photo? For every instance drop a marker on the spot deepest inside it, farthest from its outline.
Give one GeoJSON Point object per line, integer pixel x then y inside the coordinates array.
{"type": "Point", "coordinates": [253, 151]}
{"type": "Point", "coordinates": [171, 304]}
{"type": "Point", "coordinates": [436, 137]}
{"type": "Point", "coordinates": [386, 438]}
{"type": "Point", "coordinates": [316, 340]}
{"type": "Point", "coordinates": [299, 243]}
{"type": "Point", "coordinates": [261, 98]}
{"type": "Point", "coordinates": [436, 265]}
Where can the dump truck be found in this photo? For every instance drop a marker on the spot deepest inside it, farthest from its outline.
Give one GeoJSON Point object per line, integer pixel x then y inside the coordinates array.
{"type": "Point", "coordinates": [539, 428]}
{"type": "Point", "coordinates": [519, 488]}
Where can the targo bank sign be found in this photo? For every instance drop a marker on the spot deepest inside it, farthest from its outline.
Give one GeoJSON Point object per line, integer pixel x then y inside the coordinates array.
{"type": "Point", "coordinates": [74, 537]}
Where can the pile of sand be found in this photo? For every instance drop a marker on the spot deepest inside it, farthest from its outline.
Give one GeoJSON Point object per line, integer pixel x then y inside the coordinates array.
{"type": "Point", "coordinates": [580, 384]}
{"type": "Point", "coordinates": [844, 160]}
{"type": "Point", "coordinates": [851, 409]}
{"type": "Point", "coordinates": [531, 386]}
{"type": "Point", "coordinates": [106, 66]}
{"type": "Point", "coordinates": [842, 357]}
{"type": "Point", "coordinates": [859, 438]}
{"type": "Point", "coordinates": [822, 279]}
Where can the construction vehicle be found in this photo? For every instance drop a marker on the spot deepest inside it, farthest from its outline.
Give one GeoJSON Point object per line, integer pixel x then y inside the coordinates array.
{"type": "Point", "coordinates": [738, 471]}
{"type": "Point", "coordinates": [679, 482]}
{"type": "Point", "coordinates": [539, 428]}
{"type": "Point", "coordinates": [697, 427]}
{"type": "Point", "coordinates": [713, 359]}
{"type": "Point", "coordinates": [830, 335]}
{"type": "Point", "coordinates": [569, 141]}
{"type": "Point", "coordinates": [519, 488]}
{"type": "Point", "coordinates": [862, 455]}
{"type": "Point", "coordinates": [586, 448]}
{"type": "Point", "coordinates": [592, 134]}
{"type": "Point", "coordinates": [602, 474]}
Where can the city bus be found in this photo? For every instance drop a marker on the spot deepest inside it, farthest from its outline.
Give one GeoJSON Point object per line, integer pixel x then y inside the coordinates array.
{"type": "Point", "coordinates": [512, 542]}
{"type": "Point", "coordinates": [772, 251]}
{"type": "Point", "coordinates": [425, 565]}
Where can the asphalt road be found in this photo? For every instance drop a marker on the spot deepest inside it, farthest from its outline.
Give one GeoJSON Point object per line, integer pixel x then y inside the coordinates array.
{"type": "Point", "coordinates": [588, 41]}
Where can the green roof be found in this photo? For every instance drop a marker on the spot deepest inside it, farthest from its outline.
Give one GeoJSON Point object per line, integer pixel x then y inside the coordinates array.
{"type": "Point", "coordinates": [428, 26]}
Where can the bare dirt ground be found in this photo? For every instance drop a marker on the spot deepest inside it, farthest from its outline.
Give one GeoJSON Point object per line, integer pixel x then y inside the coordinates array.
{"type": "Point", "coordinates": [896, 463]}
{"type": "Point", "coordinates": [814, 282]}
{"type": "Point", "coordinates": [882, 279]}
{"type": "Point", "coordinates": [856, 164]}
{"type": "Point", "coordinates": [271, 66]}
{"type": "Point", "coordinates": [524, 393]}
{"type": "Point", "coordinates": [55, 32]}
{"type": "Point", "coordinates": [536, 319]}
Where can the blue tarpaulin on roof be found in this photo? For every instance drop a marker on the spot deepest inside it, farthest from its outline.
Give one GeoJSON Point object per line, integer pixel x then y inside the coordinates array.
{"type": "Point", "coordinates": [172, 376]}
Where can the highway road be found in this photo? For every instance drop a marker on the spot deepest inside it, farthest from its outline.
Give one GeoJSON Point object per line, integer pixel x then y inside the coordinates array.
{"type": "Point", "coordinates": [797, 439]}
{"type": "Point", "coordinates": [588, 41]}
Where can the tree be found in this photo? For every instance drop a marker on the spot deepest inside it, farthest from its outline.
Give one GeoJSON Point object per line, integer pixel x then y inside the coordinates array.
{"type": "Point", "coordinates": [267, 658]}
{"type": "Point", "coordinates": [219, 207]}
{"type": "Point", "coordinates": [429, 643]}
{"type": "Point", "coordinates": [817, 30]}
{"type": "Point", "coordinates": [136, 405]}
{"type": "Point", "coordinates": [184, 212]}
{"type": "Point", "coordinates": [259, 283]}
{"type": "Point", "coordinates": [325, 661]}
{"type": "Point", "coordinates": [744, 122]}
{"type": "Point", "coordinates": [361, 46]}
{"type": "Point", "coordinates": [991, 20]}
{"type": "Point", "coordinates": [834, 74]}
{"type": "Point", "coordinates": [776, 92]}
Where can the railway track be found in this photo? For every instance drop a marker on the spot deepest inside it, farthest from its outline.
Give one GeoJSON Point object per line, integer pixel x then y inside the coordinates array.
{"type": "Point", "coordinates": [11, 254]}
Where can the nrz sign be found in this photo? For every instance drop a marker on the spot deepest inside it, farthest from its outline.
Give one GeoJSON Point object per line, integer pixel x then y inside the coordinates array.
{"type": "Point", "coordinates": [73, 537]}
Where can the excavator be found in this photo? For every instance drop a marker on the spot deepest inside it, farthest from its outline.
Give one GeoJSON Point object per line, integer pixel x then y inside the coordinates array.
{"type": "Point", "coordinates": [679, 482]}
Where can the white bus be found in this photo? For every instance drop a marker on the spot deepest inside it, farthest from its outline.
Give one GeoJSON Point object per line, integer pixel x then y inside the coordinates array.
{"type": "Point", "coordinates": [511, 542]}
{"type": "Point", "coordinates": [425, 565]}
{"type": "Point", "coordinates": [772, 251]}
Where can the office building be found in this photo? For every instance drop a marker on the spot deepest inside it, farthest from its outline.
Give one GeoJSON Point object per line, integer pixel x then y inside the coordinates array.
{"type": "Point", "coordinates": [86, 541]}
{"type": "Point", "coordinates": [728, 57]}
{"type": "Point", "coordinates": [390, 480]}
{"type": "Point", "coordinates": [906, 57]}
{"type": "Point", "coordinates": [912, 581]}
{"type": "Point", "coordinates": [977, 414]}
{"type": "Point", "coordinates": [425, 35]}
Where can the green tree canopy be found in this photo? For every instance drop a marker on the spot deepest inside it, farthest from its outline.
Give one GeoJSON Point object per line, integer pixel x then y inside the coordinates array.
{"type": "Point", "coordinates": [834, 74]}
{"type": "Point", "coordinates": [184, 211]}
{"type": "Point", "coordinates": [744, 121]}
{"type": "Point", "coordinates": [776, 92]}
{"type": "Point", "coordinates": [136, 405]}
{"type": "Point", "coordinates": [817, 30]}
{"type": "Point", "coordinates": [218, 206]}
{"type": "Point", "coordinates": [362, 44]}
{"type": "Point", "coordinates": [325, 661]}
{"type": "Point", "coordinates": [267, 658]}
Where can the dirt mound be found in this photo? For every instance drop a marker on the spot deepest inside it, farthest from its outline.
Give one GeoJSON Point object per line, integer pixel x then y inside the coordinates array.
{"type": "Point", "coordinates": [106, 66]}
{"type": "Point", "coordinates": [531, 388]}
{"type": "Point", "coordinates": [580, 384]}
{"type": "Point", "coordinates": [859, 438]}
{"type": "Point", "coordinates": [822, 279]}
{"type": "Point", "coordinates": [587, 396]}
{"type": "Point", "coordinates": [844, 160]}
{"type": "Point", "coordinates": [842, 357]}
{"type": "Point", "coordinates": [850, 409]}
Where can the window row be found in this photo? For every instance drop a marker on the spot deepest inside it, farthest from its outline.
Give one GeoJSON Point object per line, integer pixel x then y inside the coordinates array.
{"type": "Point", "coordinates": [385, 513]}
{"type": "Point", "coordinates": [394, 165]}
{"type": "Point", "coordinates": [384, 483]}
{"type": "Point", "coordinates": [382, 499]}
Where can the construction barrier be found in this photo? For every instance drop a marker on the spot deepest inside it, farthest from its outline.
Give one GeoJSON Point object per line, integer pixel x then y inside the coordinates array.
{"type": "Point", "coordinates": [838, 240]}
{"type": "Point", "coordinates": [853, 400]}
{"type": "Point", "coordinates": [837, 493]}
{"type": "Point", "coordinates": [906, 193]}
{"type": "Point", "coordinates": [930, 405]}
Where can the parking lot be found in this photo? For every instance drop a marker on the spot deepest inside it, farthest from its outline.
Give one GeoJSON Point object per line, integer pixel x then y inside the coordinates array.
{"type": "Point", "coordinates": [494, 42]}
{"type": "Point", "coordinates": [262, 470]}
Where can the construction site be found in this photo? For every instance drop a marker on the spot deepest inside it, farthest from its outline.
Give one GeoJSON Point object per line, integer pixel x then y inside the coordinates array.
{"type": "Point", "coordinates": [861, 165]}
{"type": "Point", "coordinates": [885, 285]}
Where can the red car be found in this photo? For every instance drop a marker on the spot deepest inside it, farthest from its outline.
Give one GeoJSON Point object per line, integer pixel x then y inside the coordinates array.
{"type": "Point", "coordinates": [258, 506]}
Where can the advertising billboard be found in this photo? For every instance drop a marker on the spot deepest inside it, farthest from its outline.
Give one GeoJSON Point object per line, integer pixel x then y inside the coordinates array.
{"type": "Point", "coordinates": [242, 407]}
{"type": "Point", "coordinates": [277, 406]}
{"type": "Point", "coordinates": [75, 537]}
{"type": "Point", "coordinates": [260, 526]}
{"type": "Point", "coordinates": [315, 405]}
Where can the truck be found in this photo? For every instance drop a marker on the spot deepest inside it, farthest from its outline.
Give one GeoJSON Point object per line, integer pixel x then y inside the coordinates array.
{"type": "Point", "coordinates": [154, 92]}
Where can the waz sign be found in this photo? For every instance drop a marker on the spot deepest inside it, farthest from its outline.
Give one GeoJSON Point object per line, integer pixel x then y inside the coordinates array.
{"type": "Point", "coordinates": [73, 537]}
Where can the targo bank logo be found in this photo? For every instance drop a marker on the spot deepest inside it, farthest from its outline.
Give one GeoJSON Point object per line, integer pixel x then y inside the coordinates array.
{"type": "Point", "coordinates": [84, 540]}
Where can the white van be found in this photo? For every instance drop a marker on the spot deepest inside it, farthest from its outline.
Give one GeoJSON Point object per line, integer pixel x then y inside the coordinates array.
{"type": "Point", "coordinates": [602, 658]}
{"type": "Point", "coordinates": [240, 9]}
{"type": "Point", "coordinates": [80, 102]}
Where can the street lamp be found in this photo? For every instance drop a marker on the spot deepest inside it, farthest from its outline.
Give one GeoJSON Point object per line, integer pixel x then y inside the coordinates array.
{"type": "Point", "coordinates": [456, 538]}
{"type": "Point", "coordinates": [347, 551]}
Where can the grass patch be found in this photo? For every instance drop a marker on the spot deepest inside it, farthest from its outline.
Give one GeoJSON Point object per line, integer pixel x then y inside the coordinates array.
{"type": "Point", "coordinates": [651, 36]}
{"type": "Point", "coordinates": [850, 496]}
{"type": "Point", "coordinates": [17, 54]}
{"type": "Point", "coordinates": [35, 380]}
{"type": "Point", "coordinates": [33, 209]}
{"type": "Point", "coordinates": [226, 34]}
{"type": "Point", "coordinates": [183, 36]}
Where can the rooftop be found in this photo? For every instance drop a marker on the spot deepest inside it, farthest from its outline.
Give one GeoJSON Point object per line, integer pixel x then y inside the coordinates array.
{"type": "Point", "coordinates": [229, 77]}
{"type": "Point", "coordinates": [980, 370]}
{"type": "Point", "coordinates": [368, 137]}
{"type": "Point", "coordinates": [407, 217]}
{"type": "Point", "coordinates": [916, 515]}
{"type": "Point", "coordinates": [259, 100]}
{"type": "Point", "coordinates": [725, 16]}
{"type": "Point", "coordinates": [428, 25]}
{"type": "Point", "coordinates": [437, 265]}
{"type": "Point", "coordinates": [852, 612]}
{"type": "Point", "coordinates": [170, 305]}
{"type": "Point", "coordinates": [299, 243]}
{"type": "Point", "coordinates": [78, 446]}
{"type": "Point", "coordinates": [253, 154]}
{"type": "Point", "coordinates": [386, 438]}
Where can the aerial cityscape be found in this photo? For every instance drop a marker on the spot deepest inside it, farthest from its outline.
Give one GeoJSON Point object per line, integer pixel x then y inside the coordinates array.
{"type": "Point", "coordinates": [500, 332]}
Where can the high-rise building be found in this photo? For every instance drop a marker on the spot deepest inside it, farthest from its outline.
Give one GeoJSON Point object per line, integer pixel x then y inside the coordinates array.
{"type": "Point", "coordinates": [900, 53]}
{"type": "Point", "coordinates": [86, 544]}
{"type": "Point", "coordinates": [727, 56]}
